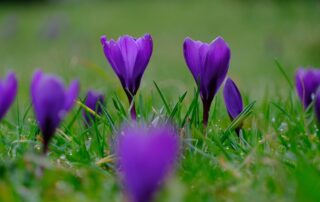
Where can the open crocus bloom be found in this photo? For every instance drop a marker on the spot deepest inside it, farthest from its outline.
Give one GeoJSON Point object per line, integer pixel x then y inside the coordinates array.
{"type": "Point", "coordinates": [51, 101]}
{"type": "Point", "coordinates": [8, 92]}
{"type": "Point", "coordinates": [145, 157]}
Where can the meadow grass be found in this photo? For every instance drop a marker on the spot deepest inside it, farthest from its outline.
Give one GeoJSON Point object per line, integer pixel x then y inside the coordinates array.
{"type": "Point", "coordinates": [276, 157]}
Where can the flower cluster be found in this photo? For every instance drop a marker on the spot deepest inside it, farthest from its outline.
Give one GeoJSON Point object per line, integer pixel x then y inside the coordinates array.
{"type": "Point", "coordinates": [145, 155]}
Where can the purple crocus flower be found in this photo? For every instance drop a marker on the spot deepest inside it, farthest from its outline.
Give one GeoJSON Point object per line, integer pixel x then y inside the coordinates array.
{"type": "Point", "coordinates": [94, 101]}
{"type": "Point", "coordinates": [145, 157]}
{"type": "Point", "coordinates": [232, 99]}
{"type": "Point", "coordinates": [307, 83]}
{"type": "Point", "coordinates": [8, 92]}
{"type": "Point", "coordinates": [129, 58]}
{"type": "Point", "coordinates": [209, 64]}
{"type": "Point", "coordinates": [51, 101]}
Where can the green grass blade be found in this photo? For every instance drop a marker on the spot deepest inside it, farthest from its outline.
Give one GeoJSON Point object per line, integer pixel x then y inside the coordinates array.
{"type": "Point", "coordinates": [191, 108]}
{"type": "Point", "coordinates": [118, 105]}
{"type": "Point", "coordinates": [163, 99]}
{"type": "Point", "coordinates": [74, 118]}
{"type": "Point", "coordinates": [285, 75]}
{"type": "Point", "coordinates": [283, 111]}
{"type": "Point", "coordinates": [177, 105]}
{"type": "Point", "coordinates": [238, 120]}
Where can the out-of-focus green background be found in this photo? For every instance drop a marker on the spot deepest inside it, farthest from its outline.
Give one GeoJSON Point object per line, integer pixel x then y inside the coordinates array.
{"type": "Point", "coordinates": [63, 37]}
{"type": "Point", "coordinates": [277, 156]}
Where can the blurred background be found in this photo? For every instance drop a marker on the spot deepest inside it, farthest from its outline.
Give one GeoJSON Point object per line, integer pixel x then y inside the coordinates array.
{"type": "Point", "coordinates": [63, 37]}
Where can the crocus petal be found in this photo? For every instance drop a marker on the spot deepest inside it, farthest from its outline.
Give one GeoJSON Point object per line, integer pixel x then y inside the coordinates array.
{"type": "Point", "coordinates": [35, 81]}
{"type": "Point", "coordinates": [145, 156]}
{"type": "Point", "coordinates": [114, 56]}
{"type": "Point", "coordinates": [215, 69]}
{"type": "Point", "coordinates": [8, 91]}
{"type": "Point", "coordinates": [129, 51]}
{"type": "Point", "coordinates": [94, 100]}
{"type": "Point", "coordinates": [145, 46]}
{"type": "Point", "coordinates": [232, 99]}
{"type": "Point", "coordinates": [72, 94]}
{"type": "Point", "coordinates": [49, 98]}
{"type": "Point", "coordinates": [34, 84]}
{"type": "Point", "coordinates": [192, 57]}
{"type": "Point", "coordinates": [307, 83]}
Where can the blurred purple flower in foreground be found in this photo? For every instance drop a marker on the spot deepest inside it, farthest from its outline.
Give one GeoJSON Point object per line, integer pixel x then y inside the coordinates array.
{"type": "Point", "coordinates": [307, 83]}
{"type": "Point", "coordinates": [129, 58]}
{"type": "Point", "coordinates": [209, 64]}
{"type": "Point", "coordinates": [51, 101]}
{"type": "Point", "coordinates": [8, 92]}
{"type": "Point", "coordinates": [232, 99]}
{"type": "Point", "coordinates": [145, 157]}
{"type": "Point", "coordinates": [94, 101]}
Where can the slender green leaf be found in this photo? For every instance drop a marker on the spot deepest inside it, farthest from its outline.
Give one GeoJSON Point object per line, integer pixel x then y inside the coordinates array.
{"type": "Point", "coordinates": [162, 98]}
{"type": "Point", "coordinates": [283, 72]}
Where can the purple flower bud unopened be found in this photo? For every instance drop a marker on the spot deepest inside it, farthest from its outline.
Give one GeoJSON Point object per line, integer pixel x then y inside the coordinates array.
{"type": "Point", "coordinates": [232, 99]}
{"type": "Point", "coordinates": [145, 157]}
{"type": "Point", "coordinates": [307, 83]}
{"type": "Point", "coordinates": [209, 64]}
{"type": "Point", "coordinates": [8, 92]}
{"type": "Point", "coordinates": [128, 58]}
{"type": "Point", "coordinates": [94, 101]}
{"type": "Point", "coordinates": [51, 101]}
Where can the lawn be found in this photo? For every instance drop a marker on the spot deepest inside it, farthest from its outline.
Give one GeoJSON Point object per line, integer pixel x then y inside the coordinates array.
{"type": "Point", "coordinates": [276, 158]}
